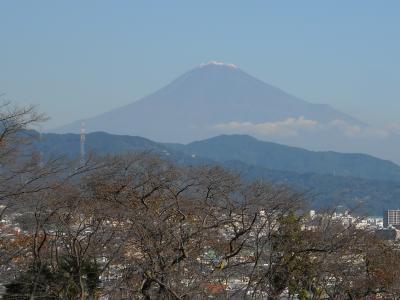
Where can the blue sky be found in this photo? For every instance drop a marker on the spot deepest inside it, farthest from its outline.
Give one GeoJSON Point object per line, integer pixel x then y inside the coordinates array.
{"type": "Point", "coordinates": [76, 59]}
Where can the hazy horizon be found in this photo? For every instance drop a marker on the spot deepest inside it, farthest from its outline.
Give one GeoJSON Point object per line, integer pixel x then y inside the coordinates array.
{"type": "Point", "coordinates": [76, 60]}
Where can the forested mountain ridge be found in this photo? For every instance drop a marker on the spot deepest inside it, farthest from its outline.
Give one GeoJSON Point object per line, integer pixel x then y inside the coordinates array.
{"type": "Point", "coordinates": [330, 178]}
{"type": "Point", "coordinates": [280, 157]}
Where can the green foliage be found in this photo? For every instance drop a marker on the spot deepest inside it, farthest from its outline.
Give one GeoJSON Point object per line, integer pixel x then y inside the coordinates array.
{"type": "Point", "coordinates": [39, 281]}
{"type": "Point", "coordinates": [63, 283]}
{"type": "Point", "coordinates": [303, 295]}
{"type": "Point", "coordinates": [70, 275]}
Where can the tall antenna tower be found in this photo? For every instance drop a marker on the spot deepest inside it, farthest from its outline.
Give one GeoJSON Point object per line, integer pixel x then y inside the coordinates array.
{"type": "Point", "coordinates": [41, 163]}
{"type": "Point", "coordinates": [83, 139]}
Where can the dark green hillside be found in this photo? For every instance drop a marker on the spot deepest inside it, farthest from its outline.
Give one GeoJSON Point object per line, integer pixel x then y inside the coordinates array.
{"type": "Point", "coordinates": [329, 178]}
{"type": "Point", "coordinates": [279, 157]}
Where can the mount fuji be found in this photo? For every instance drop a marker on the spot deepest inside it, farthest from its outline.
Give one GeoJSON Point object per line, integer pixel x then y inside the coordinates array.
{"type": "Point", "coordinates": [217, 98]}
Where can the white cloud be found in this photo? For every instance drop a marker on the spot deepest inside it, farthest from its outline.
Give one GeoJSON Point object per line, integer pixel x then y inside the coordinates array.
{"type": "Point", "coordinates": [351, 130]}
{"type": "Point", "coordinates": [288, 127]}
{"type": "Point", "coordinates": [296, 126]}
{"type": "Point", "coordinates": [394, 128]}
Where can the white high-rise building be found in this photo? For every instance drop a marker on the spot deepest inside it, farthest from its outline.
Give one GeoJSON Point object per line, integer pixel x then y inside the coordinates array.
{"type": "Point", "coordinates": [392, 218]}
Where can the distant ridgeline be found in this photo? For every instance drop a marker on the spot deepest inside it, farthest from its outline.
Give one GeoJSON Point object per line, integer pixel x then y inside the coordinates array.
{"type": "Point", "coordinates": [353, 180]}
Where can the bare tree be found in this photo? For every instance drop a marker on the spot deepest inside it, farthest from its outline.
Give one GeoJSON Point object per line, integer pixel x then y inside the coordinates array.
{"type": "Point", "coordinates": [138, 227]}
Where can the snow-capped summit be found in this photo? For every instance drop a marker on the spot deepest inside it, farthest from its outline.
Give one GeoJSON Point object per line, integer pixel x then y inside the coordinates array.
{"type": "Point", "coordinates": [217, 63]}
